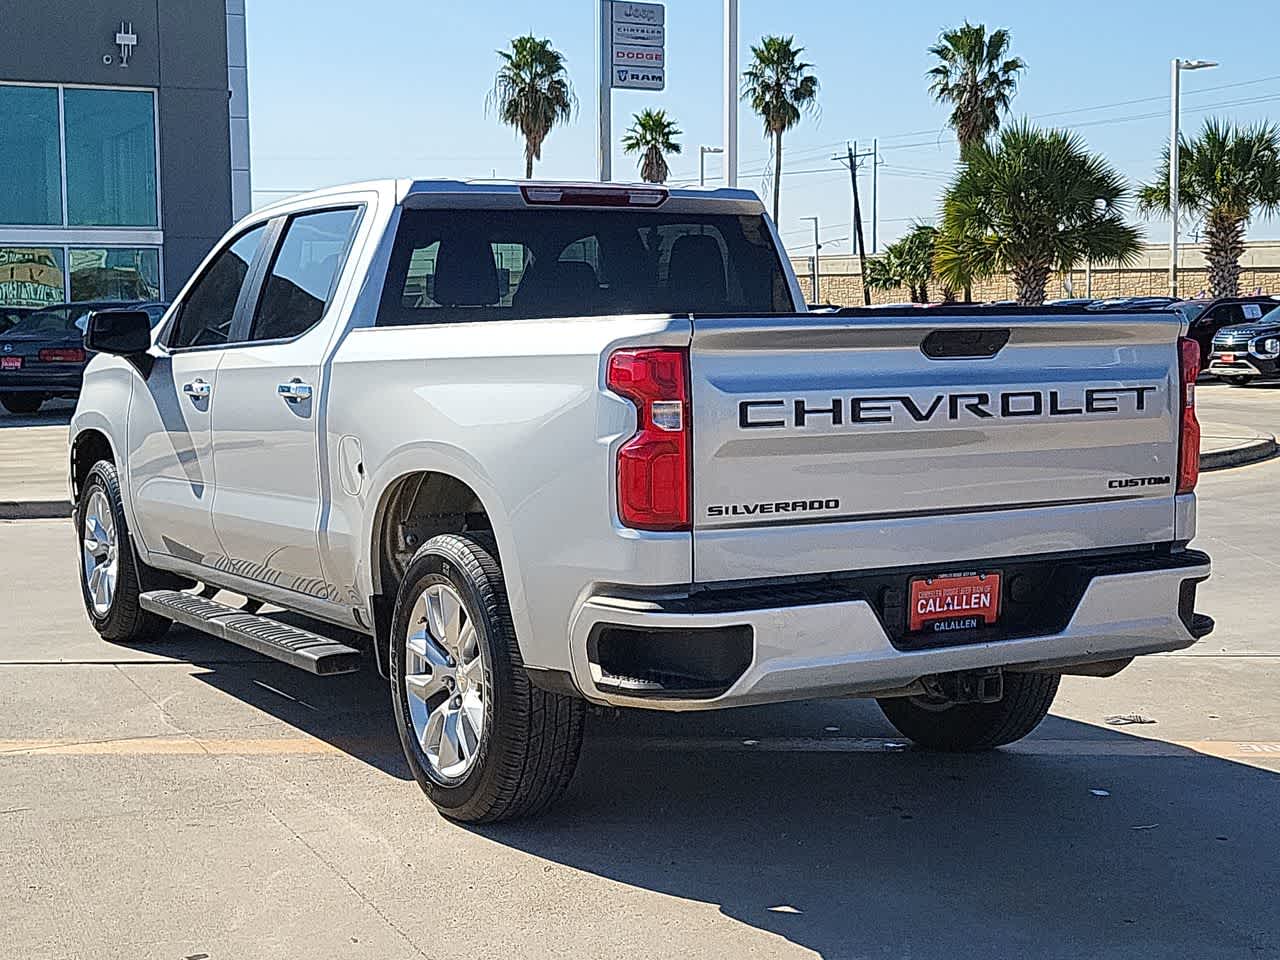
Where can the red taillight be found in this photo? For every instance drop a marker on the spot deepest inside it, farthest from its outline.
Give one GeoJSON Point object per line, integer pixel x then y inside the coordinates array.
{"type": "Point", "coordinates": [1189, 437]}
{"type": "Point", "coordinates": [653, 466]}
{"type": "Point", "coordinates": [61, 355]}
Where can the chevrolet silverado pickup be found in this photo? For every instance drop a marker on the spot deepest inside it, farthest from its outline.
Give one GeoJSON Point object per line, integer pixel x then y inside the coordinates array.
{"type": "Point", "coordinates": [527, 447]}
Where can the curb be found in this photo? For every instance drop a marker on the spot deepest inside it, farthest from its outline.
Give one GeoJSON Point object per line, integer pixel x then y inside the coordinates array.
{"type": "Point", "coordinates": [1255, 451]}
{"type": "Point", "coordinates": [35, 510]}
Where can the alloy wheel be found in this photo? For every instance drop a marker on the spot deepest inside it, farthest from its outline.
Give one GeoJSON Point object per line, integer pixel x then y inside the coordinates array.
{"type": "Point", "coordinates": [445, 671]}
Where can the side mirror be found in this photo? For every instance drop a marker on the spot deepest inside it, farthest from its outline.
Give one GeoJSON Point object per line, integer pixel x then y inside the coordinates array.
{"type": "Point", "coordinates": [126, 333]}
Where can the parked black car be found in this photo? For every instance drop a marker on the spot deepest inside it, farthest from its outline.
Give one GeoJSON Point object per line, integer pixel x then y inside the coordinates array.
{"type": "Point", "coordinates": [42, 356]}
{"type": "Point", "coordinates": [11, 315]}
{"type": "Point", "coordinates": [1120, 304]}
{"type": "Point", "coordinates": [1207, 317]}
{"type": "Point", "coordinates": [1248, 352]}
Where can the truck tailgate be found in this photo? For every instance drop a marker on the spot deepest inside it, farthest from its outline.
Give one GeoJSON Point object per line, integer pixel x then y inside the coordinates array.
{"type": "Point", "coordinates": [824, 443]}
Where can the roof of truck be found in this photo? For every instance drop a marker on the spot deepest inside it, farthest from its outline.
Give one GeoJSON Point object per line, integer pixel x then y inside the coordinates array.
{"type": "Point", "coordinates": [525, 191]}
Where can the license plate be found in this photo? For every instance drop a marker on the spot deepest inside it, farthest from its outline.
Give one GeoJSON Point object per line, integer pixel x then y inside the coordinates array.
{"type": "Point", "coordinates": [1227, 357]}
{"type": "Point", "coordinates": [954, 601]}
{"type": "Point", "coordinates": [10, 363]}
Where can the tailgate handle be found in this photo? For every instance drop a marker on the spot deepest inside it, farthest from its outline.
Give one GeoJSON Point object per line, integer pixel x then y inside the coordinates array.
{"type": "Point", "coordinates": [964, 344]}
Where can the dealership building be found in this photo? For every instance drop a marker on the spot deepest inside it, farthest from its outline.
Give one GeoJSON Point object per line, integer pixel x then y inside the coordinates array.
{"type": "Point", "coordinates": [124, 144]}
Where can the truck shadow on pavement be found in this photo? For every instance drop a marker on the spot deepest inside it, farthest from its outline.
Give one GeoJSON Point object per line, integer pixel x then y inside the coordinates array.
{"type": "Point", "coordinates": [853, 850]}
{"type": "Point", "coordinates": [913, 854]}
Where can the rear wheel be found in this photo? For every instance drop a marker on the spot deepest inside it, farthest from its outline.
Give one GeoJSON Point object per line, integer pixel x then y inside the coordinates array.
{"type": "Point", "coordinates": [21, 402]}
{"type": "Point", "coordinates": [111, 576]}
{"type": "Point", "coordinates": [481, 740]}
{"type": "Point", "coordinates": [1238, 381]}
{"type": "Point", "coordinates": [942, 725]}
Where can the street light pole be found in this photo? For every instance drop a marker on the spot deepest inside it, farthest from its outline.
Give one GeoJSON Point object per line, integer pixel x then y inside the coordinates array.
{"type": "Point", "coordinates": [702, 162]}
{"type": "Point", "coordinates": [730, 93]}
{"type": "Point", "coordinates": [817, 272]}
{"type": "Point", "coordinates": [1176, 66]}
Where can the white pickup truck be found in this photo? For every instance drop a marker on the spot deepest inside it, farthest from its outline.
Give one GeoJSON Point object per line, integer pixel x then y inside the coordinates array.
{"type": "Point", "coordinates": [544, 445]}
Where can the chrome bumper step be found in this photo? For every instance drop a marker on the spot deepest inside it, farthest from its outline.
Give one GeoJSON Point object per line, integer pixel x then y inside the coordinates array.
{"type": "Point", "coordinates": [292, 645]}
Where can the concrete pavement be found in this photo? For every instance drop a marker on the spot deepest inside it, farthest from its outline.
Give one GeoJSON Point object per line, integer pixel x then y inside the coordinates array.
{"type": "Point", "coordinates": [190, 798]}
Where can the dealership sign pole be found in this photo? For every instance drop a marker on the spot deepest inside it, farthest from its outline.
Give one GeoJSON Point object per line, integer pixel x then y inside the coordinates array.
{"type": "Point", "coordinates": [632, 48]}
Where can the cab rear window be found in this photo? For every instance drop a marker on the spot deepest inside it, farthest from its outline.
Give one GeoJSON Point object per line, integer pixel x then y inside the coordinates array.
{"type": "Point", "coordinates": [469, 265]}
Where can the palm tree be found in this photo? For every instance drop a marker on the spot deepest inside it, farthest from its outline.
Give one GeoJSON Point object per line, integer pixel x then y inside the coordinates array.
{"type": "Point", "coordinates": [907, 262]}
{"type": "Point", "coordinates": [532, 93]}
{"type": "Point", "coordinates": [1226, 175]}
{"type": "Point", "coordinates": [977, 77]}
{"type": "Point", "coordinates": [1031, 202]}
{"type": "Point", "coordinates": [779, 88]}
{"type": "Point", "coordinates": [652, 136]}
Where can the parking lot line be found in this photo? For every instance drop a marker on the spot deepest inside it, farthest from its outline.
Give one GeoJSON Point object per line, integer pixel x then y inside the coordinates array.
{"type": "Point", "coordinates": [1126, 746]}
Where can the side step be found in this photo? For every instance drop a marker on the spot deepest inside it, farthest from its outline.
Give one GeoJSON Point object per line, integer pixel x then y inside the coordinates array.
{"type": "Point", "coordinates": [292, 645]}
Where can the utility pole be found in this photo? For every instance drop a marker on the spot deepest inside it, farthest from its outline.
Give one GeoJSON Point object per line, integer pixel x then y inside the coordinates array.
{"type": "Point", "coordinates": [851, 160]}
{"type": "Point", "coordinates": [702, 162]}
{"type": "Point", "coordinates": [817, 263]}
{"type": "Point", "coordinates": [730, 93]}
{"type": "Point", "coordinates": [604, 103]}
{"type": "Point", "coordinates": [875, 192]}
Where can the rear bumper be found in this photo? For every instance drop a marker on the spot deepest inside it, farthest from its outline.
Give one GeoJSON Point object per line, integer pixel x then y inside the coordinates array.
{"type": "Point", "coordinates": [61, 382]}
{"type": "Point", "coordinates": [841, 648]}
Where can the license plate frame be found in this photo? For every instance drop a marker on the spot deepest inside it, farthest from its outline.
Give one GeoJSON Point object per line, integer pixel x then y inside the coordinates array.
{"type": "Point", "coordinates": [10, 363]}
{"type": "Point", "coordinates": [944, 602]}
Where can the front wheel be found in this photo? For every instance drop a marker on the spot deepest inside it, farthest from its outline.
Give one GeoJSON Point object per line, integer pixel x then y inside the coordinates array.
{"type": "Point", "coordinates": [110, 574]}
{"type": "Point", "coordinates": [21, 403]}
{"type": "Point", "coordinates": [482, 741]}
{"type": "Point", "coordinates": [940, 725]}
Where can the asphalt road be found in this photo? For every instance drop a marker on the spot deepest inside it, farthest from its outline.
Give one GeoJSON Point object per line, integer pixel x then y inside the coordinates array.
{"type": "Point", "coordinates": [190, 799]}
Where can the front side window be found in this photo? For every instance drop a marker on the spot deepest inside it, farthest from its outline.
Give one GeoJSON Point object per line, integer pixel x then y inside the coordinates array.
{"type": "Point", "coordinates": [205, 316]}
{"type": "Point", "coordinates": [302, 276]}
{"type": "Point", "coordinates": [111, 157]}
{"type": "Point", "coordinates": [30, 169]}
{"type": "Point", "coordinates": [31, 276]}
{"type": "Point", "coordinates": [115, 273]}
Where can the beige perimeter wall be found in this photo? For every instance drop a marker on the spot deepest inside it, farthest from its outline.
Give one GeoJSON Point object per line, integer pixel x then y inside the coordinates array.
{"type": "Point", "coordinates": [842, 284]}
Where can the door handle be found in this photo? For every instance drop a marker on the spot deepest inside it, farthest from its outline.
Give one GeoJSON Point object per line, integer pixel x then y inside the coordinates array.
{"type": "Point", "coordinates": [197, 389]}
{"type": "Point", "coordinates": [294, 391]}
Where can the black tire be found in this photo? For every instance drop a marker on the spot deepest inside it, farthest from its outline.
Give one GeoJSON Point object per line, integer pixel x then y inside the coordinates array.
{"type": "Point", "coordinates": [1238, 381]}
{"type": "Point", "coordinates": [124, 621]}
{"type": "Point", "coordinates": [21, 403]}
{"type": "Point", "coordinates": [976, 726]}
{"type": "Point", "coordinates": [531, 738]}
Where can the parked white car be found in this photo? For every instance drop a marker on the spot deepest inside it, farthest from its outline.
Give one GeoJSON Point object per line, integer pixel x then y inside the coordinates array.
{"type": "Point", "coordinates": [551, 444]}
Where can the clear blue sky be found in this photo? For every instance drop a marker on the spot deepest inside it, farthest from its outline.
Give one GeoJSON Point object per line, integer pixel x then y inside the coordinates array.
{"type": "Point", "coordinates": [344, 91]}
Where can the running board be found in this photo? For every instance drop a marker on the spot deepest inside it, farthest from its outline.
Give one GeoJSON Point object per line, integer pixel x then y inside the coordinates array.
{"type": "Point", "coordinates": [291, 645]}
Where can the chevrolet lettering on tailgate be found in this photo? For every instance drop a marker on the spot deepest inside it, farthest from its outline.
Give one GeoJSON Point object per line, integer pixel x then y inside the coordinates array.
{"type": "Point", "coordinates": [979, 405]}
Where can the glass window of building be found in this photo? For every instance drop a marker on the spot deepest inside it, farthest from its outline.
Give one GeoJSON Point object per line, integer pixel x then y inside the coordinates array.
{"type": "Point", "coordinates": [111, 157]}
{"type": "Point", "coordinates": [115, 273]}
{"type": "Point", "coordinates": [31, 276]}
{"type": "Point", "coordinates": [30, 168]}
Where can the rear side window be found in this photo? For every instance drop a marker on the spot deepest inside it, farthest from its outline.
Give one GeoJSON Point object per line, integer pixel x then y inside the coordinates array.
{"type": "Point", "coordinates": [204, 318]}
{"type": "Point", "coordinates": [468, 265]}
{"type": "Point", "coordinates": [303, 273]}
